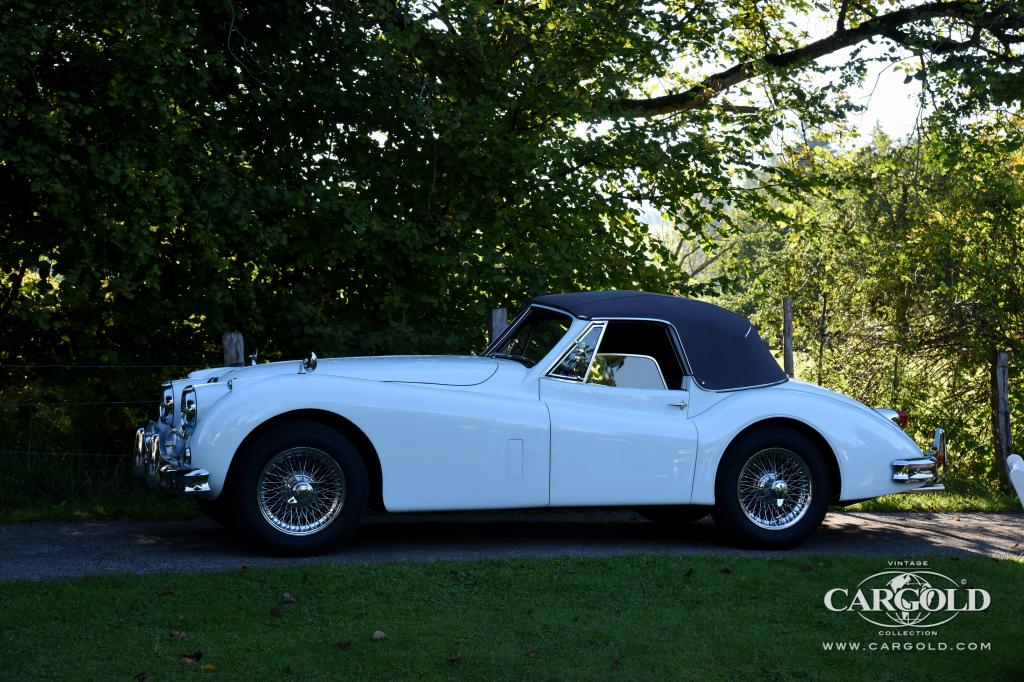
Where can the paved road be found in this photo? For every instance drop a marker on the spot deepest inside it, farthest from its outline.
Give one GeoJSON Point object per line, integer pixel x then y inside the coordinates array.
{"type": "Point", "coordinates": [45, 551]}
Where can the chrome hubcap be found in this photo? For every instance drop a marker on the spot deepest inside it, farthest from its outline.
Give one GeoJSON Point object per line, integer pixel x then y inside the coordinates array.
{"type": "Point", "coordinates": [774, 488]}
{"type": "Point", "coordinates": [301, 487]}
{"type": "Point", "coordinates": [301, 491]}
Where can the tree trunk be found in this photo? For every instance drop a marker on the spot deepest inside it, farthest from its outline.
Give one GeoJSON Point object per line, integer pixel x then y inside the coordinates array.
{"type": "Point", "coordinates": [234, 349]}
{"type": "Point", "coordinates": [1001, 413]}
{"type": "Point", "coordinates": [496, 322]}
{"type": "Point", "coordinates": [787, 335]}
{"type": "Point", "coordinates": [822, 336]}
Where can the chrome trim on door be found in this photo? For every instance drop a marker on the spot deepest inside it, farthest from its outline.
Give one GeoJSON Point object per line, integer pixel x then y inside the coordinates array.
{"type": "Point", "coordinates": [572, 346]}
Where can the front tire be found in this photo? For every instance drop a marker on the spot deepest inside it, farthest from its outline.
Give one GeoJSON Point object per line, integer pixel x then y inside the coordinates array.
{"type": "Point", "coordinates": [772, 489]}
{"type": "Point", "coordinates": [300, 489]}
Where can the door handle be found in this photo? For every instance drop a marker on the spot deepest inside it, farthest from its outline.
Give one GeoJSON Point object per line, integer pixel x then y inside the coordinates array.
{"type": "Point", "coordinates": [682, 404]}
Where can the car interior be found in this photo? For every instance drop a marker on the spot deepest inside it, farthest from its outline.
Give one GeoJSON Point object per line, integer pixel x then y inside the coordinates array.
{"type": "Point", "coordinates": [624, 337]}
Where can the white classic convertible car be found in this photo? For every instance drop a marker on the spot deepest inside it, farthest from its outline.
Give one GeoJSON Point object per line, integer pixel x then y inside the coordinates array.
{"type": "Point", "coordinates": [610, 398]}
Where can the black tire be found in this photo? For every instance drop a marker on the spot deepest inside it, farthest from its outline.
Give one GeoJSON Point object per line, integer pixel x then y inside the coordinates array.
{"type": "Point", "coordinates": [335, 503]}
{"type": "Point", "coordinates": [674, 516]}
{"type": "Point", "coordinates": [775, 454]}
{"type": "Point", "coordinates": [219, 510]}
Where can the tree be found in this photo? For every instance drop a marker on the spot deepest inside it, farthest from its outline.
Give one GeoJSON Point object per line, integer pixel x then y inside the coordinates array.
{"type": "Point", "coordinates": [372, 176]}
{"type": "Point", "coordinates": [905, 280]}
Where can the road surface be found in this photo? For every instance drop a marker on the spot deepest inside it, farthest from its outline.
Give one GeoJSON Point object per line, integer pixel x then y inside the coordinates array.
{"type": "Point", "coordinates": [48, 551]}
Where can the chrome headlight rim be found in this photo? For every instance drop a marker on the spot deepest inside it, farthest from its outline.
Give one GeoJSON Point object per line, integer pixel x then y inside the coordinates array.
{"type": "Point", "coordinates": [166, 409]}
{"type": "Point", "coordinates": [189, 408]}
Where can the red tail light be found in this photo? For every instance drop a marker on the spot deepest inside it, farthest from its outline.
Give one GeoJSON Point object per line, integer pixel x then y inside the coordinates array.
{"type": "Point", "coordinates": [901, 419]}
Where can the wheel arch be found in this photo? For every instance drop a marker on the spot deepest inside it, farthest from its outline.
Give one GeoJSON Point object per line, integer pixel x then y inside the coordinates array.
{"type": "Point", "coordinates": [367, 452]}
{"type": "Point", "coordinates": [834, 472]}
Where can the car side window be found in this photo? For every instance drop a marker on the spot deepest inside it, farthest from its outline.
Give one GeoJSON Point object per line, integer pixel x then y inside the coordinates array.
{"type": "Point", "coordinates": [653, 361]}
{"type": "Point", "coordinates": [575, 363]}
{"type": "Point", "coordinates": [626, 371]}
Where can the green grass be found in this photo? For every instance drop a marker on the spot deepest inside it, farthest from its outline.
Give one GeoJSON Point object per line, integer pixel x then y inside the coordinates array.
{"type": "Point", "coordinates": [635, 617]}
{"type": "Point", "coordinates": [132, 503]}
{"type": "Point", "coordinates": [80, 488]}
{"type": "Point", "coordinates": [987, 501]}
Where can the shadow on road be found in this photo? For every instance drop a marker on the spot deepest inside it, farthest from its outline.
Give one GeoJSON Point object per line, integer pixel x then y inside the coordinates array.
{"type": "Point", "coordinates": [56, 550]}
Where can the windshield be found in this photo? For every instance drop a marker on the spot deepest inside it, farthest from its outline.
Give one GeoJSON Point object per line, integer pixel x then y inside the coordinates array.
{"type": "Point", "coordinates": [534, 336]}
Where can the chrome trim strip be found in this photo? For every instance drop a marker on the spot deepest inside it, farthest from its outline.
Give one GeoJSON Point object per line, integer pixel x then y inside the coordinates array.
{"type": "Point", "coordinates": [937, 488]}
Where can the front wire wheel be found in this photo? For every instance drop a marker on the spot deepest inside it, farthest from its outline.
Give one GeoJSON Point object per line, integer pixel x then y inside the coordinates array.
{"type": "Point", "coordinates": [301, 490]}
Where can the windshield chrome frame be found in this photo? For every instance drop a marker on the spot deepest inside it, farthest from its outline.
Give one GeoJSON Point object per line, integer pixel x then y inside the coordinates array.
{"type": "Point", "coordinates": [517, 321]}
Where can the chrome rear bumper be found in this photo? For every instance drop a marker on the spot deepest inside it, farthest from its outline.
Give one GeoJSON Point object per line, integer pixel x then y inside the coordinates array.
{"type": "Point", "coordinates": [924, 470]}
{"type": "Point", "coordinates": [158, 461]}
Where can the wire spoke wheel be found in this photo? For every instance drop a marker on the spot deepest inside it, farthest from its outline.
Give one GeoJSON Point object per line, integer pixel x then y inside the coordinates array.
{"type": "Point", "coordinates": [774, 488]}
{"type": "Point", "coordinates": [301, 491]}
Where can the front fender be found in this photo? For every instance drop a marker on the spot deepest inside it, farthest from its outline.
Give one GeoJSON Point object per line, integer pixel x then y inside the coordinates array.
{"type": "Point", "coordinates": [226, 423]}
{"type": "Point", "coordinates": [863, 443]}
{"type": "Point", "coordinates": [439, 446]}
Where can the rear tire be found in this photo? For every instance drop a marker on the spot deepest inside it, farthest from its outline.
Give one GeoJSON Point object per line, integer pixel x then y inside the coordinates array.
{"type": "Point", "coordinates": [772, 488]}
{"type": "Point", "coordinates": [300, 489]}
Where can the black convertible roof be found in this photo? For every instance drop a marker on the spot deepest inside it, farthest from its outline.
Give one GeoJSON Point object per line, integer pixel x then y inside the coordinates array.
{"type": "Point", "coordinates": [722, 348]}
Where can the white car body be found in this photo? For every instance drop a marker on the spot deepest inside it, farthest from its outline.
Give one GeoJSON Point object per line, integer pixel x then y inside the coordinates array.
{"type": "Point", "coordinates": [481, 432]}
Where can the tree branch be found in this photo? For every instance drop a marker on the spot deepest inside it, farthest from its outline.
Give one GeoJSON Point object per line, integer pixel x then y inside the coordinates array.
{"type": "Point", "coordinates": [888, 25]}
{"type": "Point", "coordinates": [841, 21]}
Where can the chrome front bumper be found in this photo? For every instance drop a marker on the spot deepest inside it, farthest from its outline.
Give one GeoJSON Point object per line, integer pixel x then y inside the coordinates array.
{"type": "Point", "coordinates": [164, 464]}
{"type": "Point", "coordinates": [926, 471]}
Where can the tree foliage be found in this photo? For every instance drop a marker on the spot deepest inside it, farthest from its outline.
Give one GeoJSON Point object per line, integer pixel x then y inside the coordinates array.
{"type": "Point", "coordinates": [372, 176]}
{"type": "Point", "coordinates": [905, 280]}
{"type": "Point", "coordinates": [363, 177]}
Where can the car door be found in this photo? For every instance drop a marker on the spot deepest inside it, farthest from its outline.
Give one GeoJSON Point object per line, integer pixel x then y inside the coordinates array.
{"type": "Point", "coordinates": [618, 437]}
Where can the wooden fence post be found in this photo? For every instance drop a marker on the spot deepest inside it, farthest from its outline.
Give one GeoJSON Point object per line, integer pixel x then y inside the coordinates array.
{"type": "Point", "coordinates": [787, 335]}
{"type": "Point", "coordinates": [496, 322]}
{"type": "Point", "coordinates": [1001, 413]}
{"type": "Point", "coordinates": [234, 349]}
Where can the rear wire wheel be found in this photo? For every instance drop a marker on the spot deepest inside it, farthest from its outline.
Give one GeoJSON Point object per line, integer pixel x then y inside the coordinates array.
{"type": "Point", "coordinates": [772, 488]}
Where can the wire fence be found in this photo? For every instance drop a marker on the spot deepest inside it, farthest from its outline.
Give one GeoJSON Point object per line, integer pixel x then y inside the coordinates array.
{"type": "Point", "coordinates": [7, 365]}
{"type": "Point", "coordinates": [63, 444]}
{"type": "Point", "coordinates": [76, 403]}
{"type": "Point", "coordinates": [45, 453]}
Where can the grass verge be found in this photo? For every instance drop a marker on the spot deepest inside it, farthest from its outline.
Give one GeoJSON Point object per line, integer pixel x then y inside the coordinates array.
{"type": "Point", "coordinates": [637, 617]}
{"type": "Point", "coordinates": [950, 501]}
{"type": "Point", "coordinates": [80, 488]}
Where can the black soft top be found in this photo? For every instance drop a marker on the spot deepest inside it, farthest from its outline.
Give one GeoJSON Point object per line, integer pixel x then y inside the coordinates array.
{"type": "Point", "coordinates": [722, 348]}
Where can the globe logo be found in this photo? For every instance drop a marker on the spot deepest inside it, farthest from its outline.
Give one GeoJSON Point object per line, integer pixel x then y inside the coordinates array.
{"type": "Point", "coordinates": [909, 599]}
{"type": "Point", "coordinates": [911, 582]}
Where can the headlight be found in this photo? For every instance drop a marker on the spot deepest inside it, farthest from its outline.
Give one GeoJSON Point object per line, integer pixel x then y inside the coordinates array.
{"type": "Point", "coordinates": [167, 404]}
{"type": "Point", "coordinates": [189, 408]}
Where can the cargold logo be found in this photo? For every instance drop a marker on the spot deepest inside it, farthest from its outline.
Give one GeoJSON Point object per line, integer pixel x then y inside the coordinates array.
{"type": "Point", "coordinates": [918, 599]}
